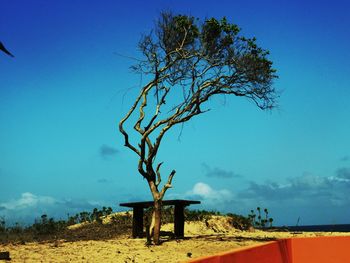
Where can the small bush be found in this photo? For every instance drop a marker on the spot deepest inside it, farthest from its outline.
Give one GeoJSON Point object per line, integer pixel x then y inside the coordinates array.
{"type": "Point", "coordinates": [16, 229]}
{"type": "Point", "coordinates": [199, 215]}
{"type": "Point", "coordinates": [46, 226]}
{"type": "Point", "coordinates": [120, 219]}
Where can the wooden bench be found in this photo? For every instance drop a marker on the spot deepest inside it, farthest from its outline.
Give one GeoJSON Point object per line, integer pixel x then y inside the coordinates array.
{"type": "Point", "coordinates": [179, 217]}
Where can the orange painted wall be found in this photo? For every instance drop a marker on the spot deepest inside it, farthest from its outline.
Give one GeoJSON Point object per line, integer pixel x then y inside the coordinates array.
{"type": "Point", "coordinates": [321, 250]}
{"type": "Point", "coordinates": [271, 252]}
{"type": "Point", "coordinates": [292, 250]}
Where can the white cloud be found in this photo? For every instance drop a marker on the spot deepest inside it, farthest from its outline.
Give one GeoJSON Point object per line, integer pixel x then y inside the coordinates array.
{"type": "Point", "coordinates": [202, 189]}
{"type": "Point", "coordinates": [210, 197]}
{"type": "Point", "coordinates": [28, 200]}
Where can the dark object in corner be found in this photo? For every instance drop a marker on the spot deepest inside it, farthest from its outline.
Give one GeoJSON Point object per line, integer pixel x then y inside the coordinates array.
{"type": "Point", "coordinates": [5, 255]}
{"type": "Point", "coordinates": [2, 48]}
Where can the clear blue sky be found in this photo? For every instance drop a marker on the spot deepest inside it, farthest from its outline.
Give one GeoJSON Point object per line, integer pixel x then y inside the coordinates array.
{"type": "Point", "coordinates": [63, 94]}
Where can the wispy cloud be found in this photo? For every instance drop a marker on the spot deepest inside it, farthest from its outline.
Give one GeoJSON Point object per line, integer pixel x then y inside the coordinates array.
{"type": "Point", "coordinates": [102, 181]}
{"type": "Point", "coordinates": [345, 158]}
{"type": "Point", "coordinates": [343, 173]}
{"type": "Point", "coordinates": [307, 189]}
{"type": "Point", "coordinates": [107, 151]}
{"type": "Point", "coordinates": [218, 172]}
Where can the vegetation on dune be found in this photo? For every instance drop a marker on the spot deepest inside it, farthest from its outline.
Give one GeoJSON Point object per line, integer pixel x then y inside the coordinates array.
{"type": "Point", "coordinates": [95, 215]}
{"type": "Point", "coordinates": [46, 228]}
{"type": "Point", "coordinates": [100, 224]}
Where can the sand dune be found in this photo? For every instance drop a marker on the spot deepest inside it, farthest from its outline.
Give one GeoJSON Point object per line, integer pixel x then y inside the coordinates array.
{"type": "Point", "coordinates": [202, 238]}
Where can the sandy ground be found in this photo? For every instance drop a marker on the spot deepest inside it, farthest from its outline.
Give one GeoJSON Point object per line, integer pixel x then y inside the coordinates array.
{"type": "Point", "coordinates": [201, 239]}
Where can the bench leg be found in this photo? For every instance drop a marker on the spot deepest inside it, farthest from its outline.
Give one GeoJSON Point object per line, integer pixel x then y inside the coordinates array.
{"type": "Point", "coordinates": [179, 221]}
{"type": "Point", "coordinates": [137, 222]}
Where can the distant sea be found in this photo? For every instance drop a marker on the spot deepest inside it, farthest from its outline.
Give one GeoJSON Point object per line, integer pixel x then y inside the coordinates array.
{"type": "Point", "coordinates": [320, 228]}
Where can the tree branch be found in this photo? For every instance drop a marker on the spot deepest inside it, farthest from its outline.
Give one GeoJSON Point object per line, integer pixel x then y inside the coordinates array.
{"type": "Point", "coordinates": [159, 179]}
{"type": "Point", "coordinates": [168, 184]}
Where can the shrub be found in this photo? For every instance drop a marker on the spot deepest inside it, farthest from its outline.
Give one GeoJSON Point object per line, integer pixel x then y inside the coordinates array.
{"type": "Point", "coordinates": [120, 219]}
{"type": "Point", "coordinates": [240, 222]}
{"type": "Point", "coordinates": [45, 226]}
{"type": "Point", "coordinates": [199, 215]}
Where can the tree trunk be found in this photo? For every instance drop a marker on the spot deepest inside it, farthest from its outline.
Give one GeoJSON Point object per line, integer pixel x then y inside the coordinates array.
{"type": "Point", "coordinates": [156, 221]}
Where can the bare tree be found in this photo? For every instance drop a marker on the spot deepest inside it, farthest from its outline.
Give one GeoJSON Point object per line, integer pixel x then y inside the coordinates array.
{"type": "Point", "coordinates": [187, 62]}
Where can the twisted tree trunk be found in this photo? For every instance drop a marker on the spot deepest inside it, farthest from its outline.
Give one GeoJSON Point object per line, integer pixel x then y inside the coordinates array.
{"type": "Point", "coordinates": [154, 229]}
{"type": "Point", "coordinates": [156, 221]}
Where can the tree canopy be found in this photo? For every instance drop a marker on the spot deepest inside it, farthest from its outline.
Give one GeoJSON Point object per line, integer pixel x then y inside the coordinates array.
{"type": "Point", "coordinates": [201, 59]}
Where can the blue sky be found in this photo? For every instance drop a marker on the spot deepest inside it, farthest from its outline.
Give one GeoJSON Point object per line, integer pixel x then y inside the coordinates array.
{"type": "Point", "coordinates": [65, 91]}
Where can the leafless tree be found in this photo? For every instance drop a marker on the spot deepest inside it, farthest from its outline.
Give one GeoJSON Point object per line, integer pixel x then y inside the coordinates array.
{"type": "Point", "coordinates": [186, 62]}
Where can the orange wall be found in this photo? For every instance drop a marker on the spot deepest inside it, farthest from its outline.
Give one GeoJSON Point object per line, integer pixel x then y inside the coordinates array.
{"type": "Point", "coordinates": [292, 250]}
{"type": "Point", "coordinates": [321, 250]}
{"type": "Point", "coordinates": [271, 252]}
